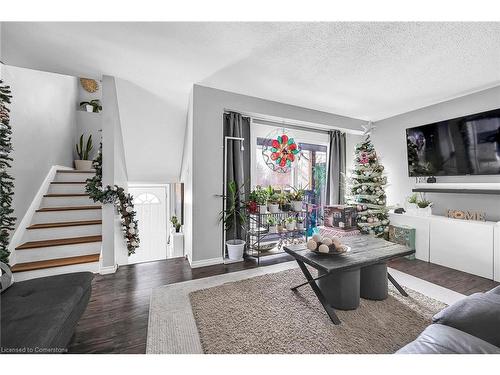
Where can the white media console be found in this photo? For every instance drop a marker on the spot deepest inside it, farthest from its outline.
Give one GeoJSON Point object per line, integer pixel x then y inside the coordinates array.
{"type": "Point", "coordinates": [469, 246]}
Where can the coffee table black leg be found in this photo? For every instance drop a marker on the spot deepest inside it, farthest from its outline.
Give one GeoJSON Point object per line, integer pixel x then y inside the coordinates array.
{"type": "Point", "coordinates": [329, 310]}
{"type": "Point", "coordinates": [398, 287]}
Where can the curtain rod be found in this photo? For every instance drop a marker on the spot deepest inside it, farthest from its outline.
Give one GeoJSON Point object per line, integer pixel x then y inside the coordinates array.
{"type": "Point", "coordinates": [283, 123]}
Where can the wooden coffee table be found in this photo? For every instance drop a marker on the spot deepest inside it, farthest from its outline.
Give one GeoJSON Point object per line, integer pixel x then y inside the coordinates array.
{"type": "Point", "coordinates": [345, 278]}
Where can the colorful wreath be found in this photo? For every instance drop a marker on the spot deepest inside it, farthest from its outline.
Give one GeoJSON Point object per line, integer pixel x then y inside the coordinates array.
{"type": "Point", "coordinates": [280, 152]}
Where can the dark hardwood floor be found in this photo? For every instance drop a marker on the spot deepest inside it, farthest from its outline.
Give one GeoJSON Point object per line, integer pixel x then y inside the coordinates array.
{"type": "Point", "coordinates": [116, 318]}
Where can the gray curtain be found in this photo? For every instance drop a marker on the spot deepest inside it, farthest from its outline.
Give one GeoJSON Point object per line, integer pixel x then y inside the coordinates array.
{"type": "Point", "coordinates": [238, 161]}
{"type": "Point", "coordinates": [336, 169]}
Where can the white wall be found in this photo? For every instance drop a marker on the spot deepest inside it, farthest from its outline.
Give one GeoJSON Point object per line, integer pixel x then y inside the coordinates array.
{"type": "Point", "coordinates": [114, 171]}
{"type": "Point", "coordinates": [153, 144]}
{"type": "Point", "coordinates": [389, 139]}
{"type": "Point", "coordinates": [186, 178]}
{"type": "Point", "coordinates": [43, 119]}
{"type": "Point", "coordinates": [208, 108]}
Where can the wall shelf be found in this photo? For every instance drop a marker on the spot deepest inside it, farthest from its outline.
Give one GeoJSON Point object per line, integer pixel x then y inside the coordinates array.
{"type": "Point", "coordinates": [487, 188]}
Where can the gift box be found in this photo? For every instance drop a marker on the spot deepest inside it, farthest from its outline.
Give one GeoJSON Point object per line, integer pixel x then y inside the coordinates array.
{"type": "Point", "coordinates": [340, 216]}
{"type": "Point", "coordinates": [403, 235]}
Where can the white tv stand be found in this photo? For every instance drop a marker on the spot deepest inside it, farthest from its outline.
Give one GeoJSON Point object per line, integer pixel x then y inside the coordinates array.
{"type": "Point", "coordinates": [469, 246]}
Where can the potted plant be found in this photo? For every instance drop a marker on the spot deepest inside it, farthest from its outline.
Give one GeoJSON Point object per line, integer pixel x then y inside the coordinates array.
{"type": "Point", "coordinates": [296, 197]}
{"type": "Point", "coordinates": [273, 225]}
{"type": "Point", "coordinates": [232, 217]}
{"type": "Point", "coordinates": [411, 204]}
{"type": "Point", "coordinates": [83, 151]}
{"type": "Point", "coordinates": [273, 200]}
{"type": "Point", "coordinates": [424, 207]}
{"type": "Point", "coordinates": [252, 205]}
{"type": "Point", "coordinates": [175, 224]}
{"type": "Point", "coordinates": [283, 201]}
{"type": "Point", "coordinates": [260, 195]}
{"type": "Point", "coordinates": [92, 106]}
{"type": "Point", "coordinates": [290, 223]}
{"type": "Point", "coordinates": [300, 223]}
{"type": "Point", "coordinates": [281, 225]}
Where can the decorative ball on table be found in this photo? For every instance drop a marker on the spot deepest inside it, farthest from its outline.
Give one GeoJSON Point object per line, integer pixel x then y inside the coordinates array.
{"type": "Point", "coordinates": [323, 249]}
{"type": "Point", "coordinates": [311, 245]}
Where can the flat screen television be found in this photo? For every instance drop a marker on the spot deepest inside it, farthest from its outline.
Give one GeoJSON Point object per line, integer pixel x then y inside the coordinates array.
{"type": "Point", "coordinates": [468, 145]}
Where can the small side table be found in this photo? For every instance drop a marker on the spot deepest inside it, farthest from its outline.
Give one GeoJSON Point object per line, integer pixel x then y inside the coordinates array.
{"type": "Point", "coordinates": [176, 247]}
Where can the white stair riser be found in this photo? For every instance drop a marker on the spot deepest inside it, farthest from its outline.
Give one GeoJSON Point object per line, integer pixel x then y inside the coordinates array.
{"type": "Point", "coordinates": [56, 252]}
{"type": "Point", "coordinates": [70, 215]}
{"type": "Point", "coordinates": [73, 176]}
{"type": "Point", "coordinates": [68, 201]}
{"type": "Point", "coordinates": [66, 189]}
{"type": "Point", "coordinates": [62, 232]}
{"type": "Point", "coordinates": [90, 267]}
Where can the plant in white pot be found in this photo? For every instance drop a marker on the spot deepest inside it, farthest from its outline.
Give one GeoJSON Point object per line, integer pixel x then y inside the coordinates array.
{"type": "Point", "coordinates": [273, 224]}
{"type": "Point", "coordinates": [411, 204]}
{"type": "Point", "coordinates": [424, 207]}
{"type": "Point", "coordinates": [176, 225]}
{"type": "Point", "coordinates": [93, 106]}
{"type": "Point", "coordinates": [273, 200]}
{"type": "Point", "coordinates": [233, 217]}
{"type": "Point", "coordinates": [260, 196]}
{"type": "Point", "coordinates": [83, 151]}
{"type": "Point", "coordinates": [290, 223]}
{"type": "Point", "coordinates": [300, 223]}
{"type": "Point", "coordinates": [296, 197]}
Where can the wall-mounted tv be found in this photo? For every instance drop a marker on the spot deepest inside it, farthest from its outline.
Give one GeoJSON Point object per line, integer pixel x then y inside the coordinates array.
{"type": "Point", "coordinates": [468, 145]}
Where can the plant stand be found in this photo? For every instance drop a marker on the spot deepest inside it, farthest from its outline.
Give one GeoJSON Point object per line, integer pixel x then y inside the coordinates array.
{"type": "Point", "coordinates": [263, 243]}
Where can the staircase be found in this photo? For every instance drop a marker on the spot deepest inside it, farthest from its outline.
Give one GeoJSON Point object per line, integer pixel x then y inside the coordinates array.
{"type": "Point", "coordinates": [65, 233]}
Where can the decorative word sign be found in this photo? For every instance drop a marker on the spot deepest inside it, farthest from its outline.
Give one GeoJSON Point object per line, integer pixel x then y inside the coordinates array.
{"type": "Point", "coordinates": [466, 215]}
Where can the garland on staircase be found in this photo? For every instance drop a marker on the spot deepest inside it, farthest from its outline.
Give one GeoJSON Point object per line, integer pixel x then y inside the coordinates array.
{"type": "Point", "coordinates": [7, 221]}
{"type": "Point", "coordinates": [116, 195]}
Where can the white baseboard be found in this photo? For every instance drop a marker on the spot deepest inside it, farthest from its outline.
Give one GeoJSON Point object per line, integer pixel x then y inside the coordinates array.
{"type": "Point", "coordinates": [18, 235]}
{"type": "Point", "coordinates": [108, 269]}
{"type": "Point", "coordinates": [204, 262]}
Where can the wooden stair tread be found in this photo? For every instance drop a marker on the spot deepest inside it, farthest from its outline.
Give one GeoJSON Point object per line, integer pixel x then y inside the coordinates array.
{"type": "Point", "coordinates": [64, 224]}
{"type": "Point", "coordinates": [59, 242]}
{"type": "Point", "coordinates": [30, 266]}
{"type": "Point", "coordinates": [62, 195]}
{"type": "Point", "coordinates": [74, 171]}
{"type": "Point", "coordinates": [69, 182]}
{"type": "Point", "coordinates": [68, 208]}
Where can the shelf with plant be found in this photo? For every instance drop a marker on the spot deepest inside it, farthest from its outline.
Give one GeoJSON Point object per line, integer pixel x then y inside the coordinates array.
{"type": "Point", "coordinates": [93, 105]}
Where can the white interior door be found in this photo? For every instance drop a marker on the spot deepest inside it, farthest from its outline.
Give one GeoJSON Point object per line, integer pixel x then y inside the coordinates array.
{"type": "Point", "coordinates": [150, 205]}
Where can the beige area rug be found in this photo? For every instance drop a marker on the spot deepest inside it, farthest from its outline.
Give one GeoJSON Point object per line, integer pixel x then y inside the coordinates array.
{"type": "Point", "coordinates": [262, 315]}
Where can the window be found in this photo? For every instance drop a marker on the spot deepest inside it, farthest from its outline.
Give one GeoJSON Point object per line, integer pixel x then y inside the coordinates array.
{"type": "Point", "coordinates": [309, 171]}
{"type": "Point", "coordinates": [146, 198]}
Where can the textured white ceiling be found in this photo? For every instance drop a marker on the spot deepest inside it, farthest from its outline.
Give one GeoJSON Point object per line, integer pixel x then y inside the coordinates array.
{"type": "Point", "coordinates": [368, 71]}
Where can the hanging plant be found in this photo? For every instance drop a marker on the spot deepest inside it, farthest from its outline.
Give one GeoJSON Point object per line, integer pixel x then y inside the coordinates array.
{"type": "Point", "coordinates": [7, 221]}
{"type": "Point", "coordinates": [122, 201]}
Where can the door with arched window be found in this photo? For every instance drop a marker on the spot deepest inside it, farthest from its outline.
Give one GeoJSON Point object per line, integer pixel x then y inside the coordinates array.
{"type": "Point", "coordinates": [150, 205]}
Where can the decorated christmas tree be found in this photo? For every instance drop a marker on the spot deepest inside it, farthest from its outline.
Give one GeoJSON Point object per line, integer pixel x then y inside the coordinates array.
{"type": "Point", "coordinates": [6, 180]}
{"type": "Point", "coordinates": [365, 188]}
